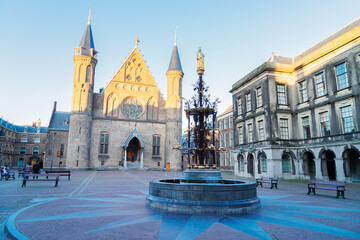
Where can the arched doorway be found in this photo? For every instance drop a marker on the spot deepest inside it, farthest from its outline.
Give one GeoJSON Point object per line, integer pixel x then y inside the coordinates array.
{"type": "Point", "coordinates": [309, 165]}
{"type": "Point", "coordinates": [240, 160]}
{"type": "Point", "coordinates": [328, 166]}
{"type": "Point", "coordinates": [250, 162]}
{"type": "Point", "coordinates": [351, 159]}
{"type": "Point", "coordinates": [133, 152]}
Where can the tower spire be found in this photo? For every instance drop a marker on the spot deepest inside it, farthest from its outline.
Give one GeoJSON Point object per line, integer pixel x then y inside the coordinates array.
{"type": "Point", "coordinates": [175, 64]}
{"type": "Point", "coordinates": [86, 46]}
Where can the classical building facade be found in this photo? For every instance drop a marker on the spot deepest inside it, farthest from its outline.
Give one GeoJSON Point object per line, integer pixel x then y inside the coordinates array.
{"type": "Point", "coordinates": [20, 145]}
{"type": "Point", "coordinates": [299, 117]}
{"type": "Point", "coordinates": [128, 124]}
{"type": "Point", "coordinates": [225, 137]}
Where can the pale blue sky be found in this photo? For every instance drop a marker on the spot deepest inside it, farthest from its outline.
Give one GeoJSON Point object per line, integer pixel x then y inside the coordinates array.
{"type": "Point", "coordinates": [37, 41]}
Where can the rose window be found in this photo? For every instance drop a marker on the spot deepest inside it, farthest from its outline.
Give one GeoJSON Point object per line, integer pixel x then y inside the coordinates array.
{"type": "Point", "coordinates": [132, 108]}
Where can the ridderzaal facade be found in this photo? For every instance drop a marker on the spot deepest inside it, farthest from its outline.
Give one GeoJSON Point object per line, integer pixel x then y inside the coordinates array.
{"type": "Point", "coordinates": [128, 124]}
{"type": "Point", "coordinates": [299, 117]}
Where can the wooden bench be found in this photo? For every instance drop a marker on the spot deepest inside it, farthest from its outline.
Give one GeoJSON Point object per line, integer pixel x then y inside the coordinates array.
{"type": "Point", "coordinates": [7, 176]}
{"type": "Point", "coordinates": [41, 177]}
{"type": "Point", "coordinates": [339, 187]}
{"type": "Point", "coordinates": [271, 180]}
{"type": "Point", "coordinates": [60, 172]}
{"type": "Point", "coordinates": [21, 172]}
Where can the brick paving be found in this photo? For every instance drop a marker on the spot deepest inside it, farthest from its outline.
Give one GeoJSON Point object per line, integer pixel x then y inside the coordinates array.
{"type": "Point", "coordinates": [111, 205]}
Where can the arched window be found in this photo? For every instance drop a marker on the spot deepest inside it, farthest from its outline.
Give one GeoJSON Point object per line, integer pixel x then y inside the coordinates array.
{"type": "Point", "coordinates": [35, 150]}
{"type": "Point", "coordinates": [88, 74]}
{"type": "Point", "coordinates": [263, 163]}
{"type": "Point", "coordinates": [152, 109]}
{"type": "Point", "coordinates": [242, 164]}
{"type": "Point", "coordinates": [286, 163]}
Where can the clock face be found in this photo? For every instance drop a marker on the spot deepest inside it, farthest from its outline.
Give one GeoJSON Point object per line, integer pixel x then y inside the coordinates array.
{"type": "Point", "coordinates": [132, 108]}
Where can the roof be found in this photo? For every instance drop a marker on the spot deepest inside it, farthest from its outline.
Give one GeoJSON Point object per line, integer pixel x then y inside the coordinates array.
{"type": "Point", "coordinates": [290, 64]}
{"type": "Point", "coordinates": [87, 41]}
{"type": "Point", "coordinates": [132, 135]}
{"type": "Point", "coordinates": [21, 129]}
{"type": "Point", "coordinates": [60, 121]}
{"type": "Point", "coordinates": [227, 110]}
{"type": "Point", "coordinates": [175, 64]}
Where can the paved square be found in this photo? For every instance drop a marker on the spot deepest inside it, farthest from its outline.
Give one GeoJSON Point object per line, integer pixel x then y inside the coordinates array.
{"type": "Point", "coordinates": [111, 205]}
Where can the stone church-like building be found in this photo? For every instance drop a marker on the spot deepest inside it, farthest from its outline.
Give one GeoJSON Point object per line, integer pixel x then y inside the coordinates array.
{"type": "Point", "coordinates": [127, 125]}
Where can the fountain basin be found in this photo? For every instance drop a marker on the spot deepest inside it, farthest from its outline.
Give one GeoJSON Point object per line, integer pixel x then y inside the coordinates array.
{"type": "Point", "coordinates": [222, 197]}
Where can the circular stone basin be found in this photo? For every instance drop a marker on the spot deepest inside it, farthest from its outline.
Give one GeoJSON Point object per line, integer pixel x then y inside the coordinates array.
{"type": "Point", "coordinates": [201, 196]}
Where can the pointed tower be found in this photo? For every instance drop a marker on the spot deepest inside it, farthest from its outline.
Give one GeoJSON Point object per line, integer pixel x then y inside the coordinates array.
{"type": "Point", "coordinates": [174, 109]}
{"type": "Point", "coordinates": [81, 104]}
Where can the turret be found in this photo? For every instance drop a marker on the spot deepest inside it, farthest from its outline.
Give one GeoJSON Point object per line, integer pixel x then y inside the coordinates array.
{"type": "Point", "coordinates": [82, 99]}
{"type": "Point", "coordinates": [174, 109]}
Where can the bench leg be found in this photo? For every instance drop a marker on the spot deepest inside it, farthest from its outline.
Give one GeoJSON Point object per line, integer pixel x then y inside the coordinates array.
{"type": "Point", "coordinates": [24, 183]}
{"type": "Point", "coordinates": [56, 183]}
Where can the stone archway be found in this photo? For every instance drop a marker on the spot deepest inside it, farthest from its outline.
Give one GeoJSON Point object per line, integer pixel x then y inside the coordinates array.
{"type": "Point", "coordinates": [328, 165]}
{"type": "Point", "coordinates": [250, 163]}
{"type": "Point", "coordinates": [133, 151]}
{"type": "Point", "coordinates": [351, 158]}
{"type": "Point", "coordinates": [240, 160]}
{"type": "Point", "coordinates": [309, 164]}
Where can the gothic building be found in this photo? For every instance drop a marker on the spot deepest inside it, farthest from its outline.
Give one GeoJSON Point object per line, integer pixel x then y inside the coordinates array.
{"type": "Point", "coordinates": [128, 124]}
{"type": "Point", "coordinates": [299, 117]}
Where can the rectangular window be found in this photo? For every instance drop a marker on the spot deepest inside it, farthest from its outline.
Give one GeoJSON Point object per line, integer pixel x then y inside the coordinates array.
{"type": "Point", "coordinates": [261, 130]}
{"type": "Point", "coordinates": [248, 102]}
{"type": "Point", "coordinates": [37, 139]}
{"type": "Point", "coordinates": [226, 139]}
{"type": "Point", "coordinates": [347, 119]}
{"type": "Point", "coordinates": [221, 125]}
{"type": "Point", "coordinates": [320, 85]}
{"type": "Point", "coordinates": [22, 150]}
{"type": "Point", "coordinates": [250, 130]}
{"type": "Point", "coordinates": [221, 140]}
{"type": "Point", "coordinates": [259, 101]}
{"type": "Point", "coordinates": [281, 94]}
{"type": "Point", "coordinates": [239, 106]}
{"type": "Point", "coordinates": [24, 138]}
{"type": "Point", "coordinates": [306, 127]}
{"type": "Point", "coordinates": [324, 124]}
{"type": "Point", "coordinates": [104, 143]}
{"type": "Point", "coordinates": [284, 128]}
{"type": "Point", "coordinates": [341, 76]}
{"type": "Point", "coordinates": [303, 92]}
{"type": "Point", "coordinates": [231, 139]}
{"type": "Point", "coordinates": [156, 145]}
{"type": "Point", "coordinates": [241, 138]}
{"type": "Point", "coordinates": [226, 123]}
{"type": "Point", "coordinates": [231, 122]}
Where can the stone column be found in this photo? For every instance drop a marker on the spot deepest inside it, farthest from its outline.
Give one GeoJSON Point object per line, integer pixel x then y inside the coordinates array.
{"type": "Point", "coordinates": [339, 169]}
{"type": "Point", "coordinates": [125, 158]}
{"type": "Point", "coordinates": [142, 158]}
{"type": "Point", "coordinates": [318, 174]}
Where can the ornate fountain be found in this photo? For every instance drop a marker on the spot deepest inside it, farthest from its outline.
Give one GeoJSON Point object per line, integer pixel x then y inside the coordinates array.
{"type": "Point", "coordinates": [201, 188]}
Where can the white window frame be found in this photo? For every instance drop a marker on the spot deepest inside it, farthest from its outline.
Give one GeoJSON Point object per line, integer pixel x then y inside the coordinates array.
{"type": "Point", "coordinates": [248, 102]}
{"type": "Point", "coordinates": [259, 101]}
{"type": "Point", "coordinates": [261, 129]}
{"type": "Point", "coordinates": [320, 81]}
{"type": "Point", "coordinates": [341, 75]}
{"type": "Point", "coordinates": [303, 96]}
{"type": "Point", "coordinates": [281, 96]}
